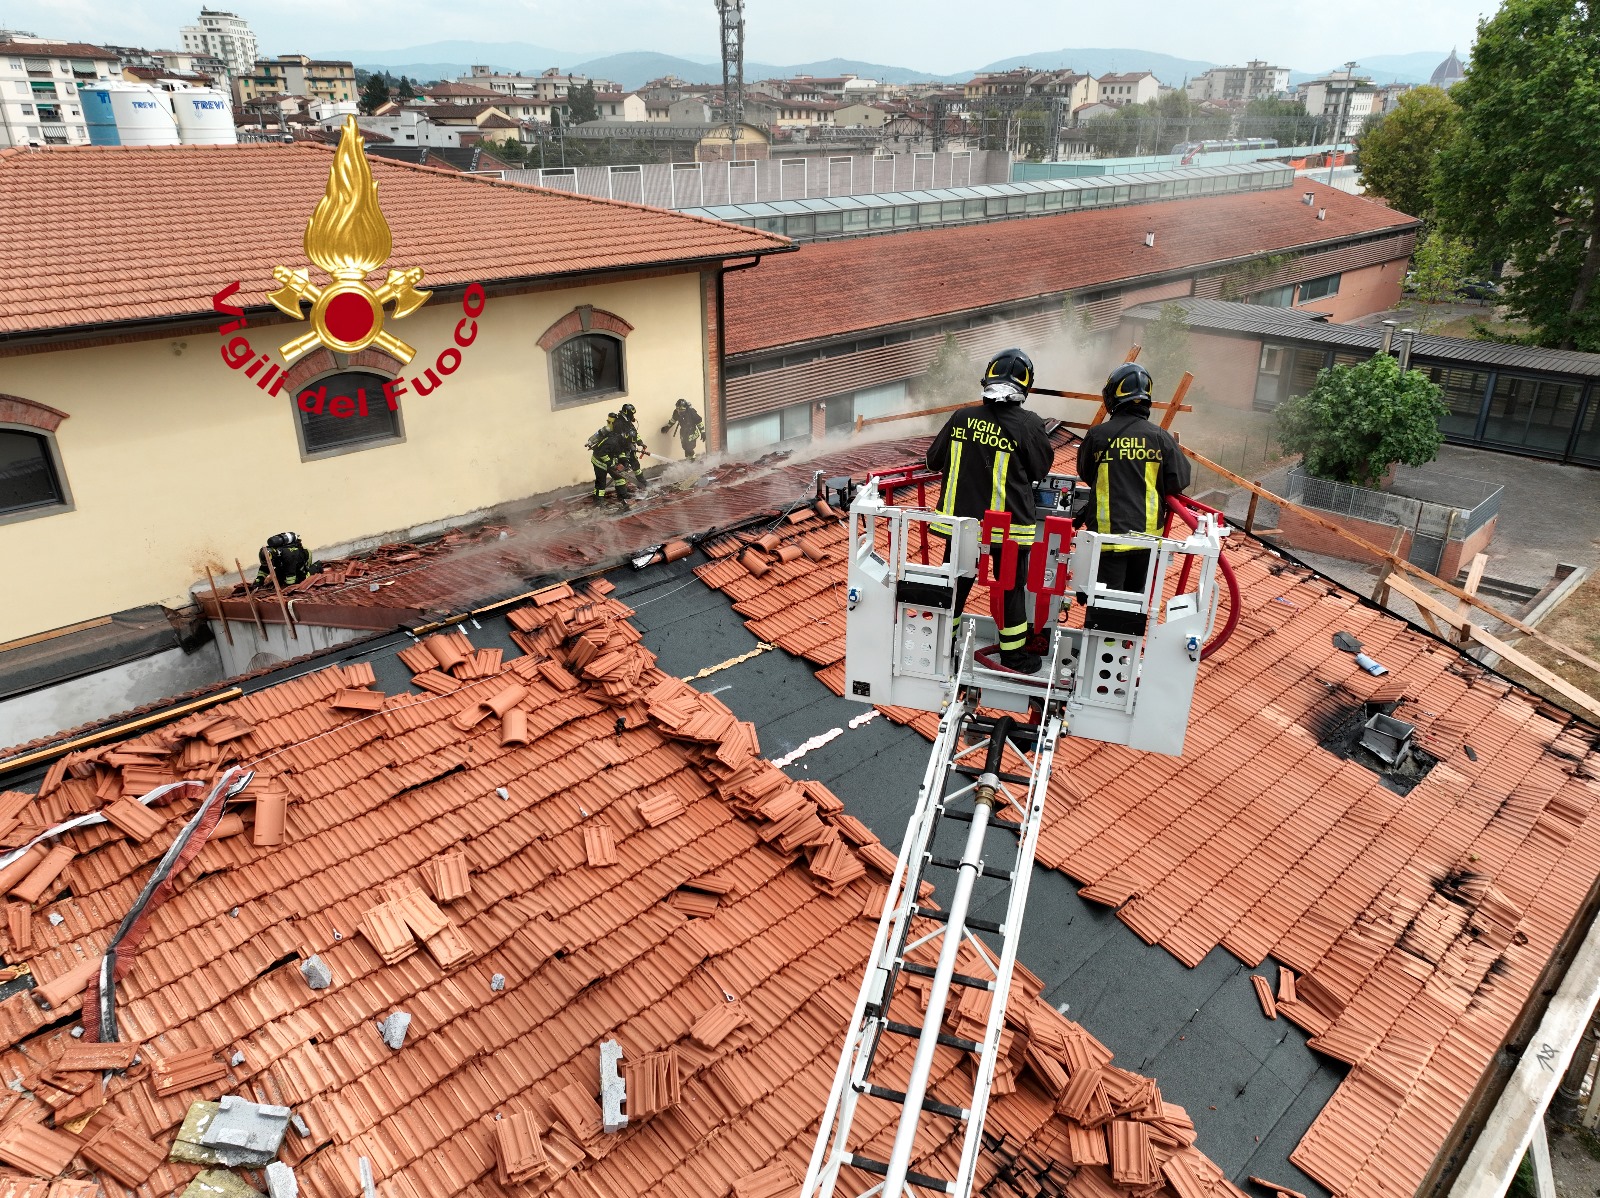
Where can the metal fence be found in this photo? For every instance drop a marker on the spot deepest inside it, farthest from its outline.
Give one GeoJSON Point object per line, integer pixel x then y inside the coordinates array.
{"type": "Point", "coordinates": [1438, 508]}
{"type": "Point", "coordinates": [749, 181]}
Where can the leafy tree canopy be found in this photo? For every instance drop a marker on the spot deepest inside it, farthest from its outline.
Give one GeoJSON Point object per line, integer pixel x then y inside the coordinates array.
{"type": "Point", "coordinates": [1521, 178]}
{"type": "Point", "coordinates": [374, 94]}
{"type": "Point", "coordinates": [951, 376]}
{"type": "Point", "coordinates": [1166, 349]}
{"type": "Point", "coordinates": [581, 105]}
{"type": "Point", "coordinates": [407, 92]}
{"type": "Point", "coordinates": [1399, 149]}
{"type": "Point", "coordinates": [1438, 268]}
{"type": "Point", "coordinates": [1359, 420]}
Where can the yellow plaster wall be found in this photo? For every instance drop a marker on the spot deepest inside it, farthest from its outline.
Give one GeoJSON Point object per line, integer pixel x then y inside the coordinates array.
{"type": "Point", "coordinates": [174, 460]}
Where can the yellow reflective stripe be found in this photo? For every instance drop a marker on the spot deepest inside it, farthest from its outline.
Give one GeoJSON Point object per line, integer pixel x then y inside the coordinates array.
{"type": "Point", "coordinates": [1102, 498]}
{"type": "Point", "coordinates": [1152, 500]}
{"type": "Point", "coordinates": [1022, 534]}
{"type": "Point", "coordinates": [1014, 629]}
{"type": "Point", "coordinates": [997, 481]}
{"type": "Point", "coordinates": [952, 476]}
{"type": "Point", "coordinates": [942, 528]}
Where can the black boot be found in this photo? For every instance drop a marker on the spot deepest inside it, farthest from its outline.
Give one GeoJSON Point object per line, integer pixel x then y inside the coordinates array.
{"type": "Point", "coordinates": [1021, 661]}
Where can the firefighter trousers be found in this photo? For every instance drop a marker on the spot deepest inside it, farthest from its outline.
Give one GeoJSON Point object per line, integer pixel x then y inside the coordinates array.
{"type": "Point", "coordinates": [1014, 632]}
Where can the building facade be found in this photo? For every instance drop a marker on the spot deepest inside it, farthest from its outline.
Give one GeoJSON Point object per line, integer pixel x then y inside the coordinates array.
{"type": "Point", "coordinates": [298, 75]}
{"type": "Point", "coordinates": [1256, 80]}
{"type": "Point", "coordinates": [1342, 99]}
{"type": "Point", "coordinates": [39, 81]}
{"type": "Point", "coordinates": [226, 37]}
{"type": "Point", "coordinates": [1137, 87]}
{"type": "Point", "coordinates": [545, 312]}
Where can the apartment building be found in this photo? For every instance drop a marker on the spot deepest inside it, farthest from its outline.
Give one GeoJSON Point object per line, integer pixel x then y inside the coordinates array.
{"type": "Point", "coordinates": [1135, 87]}
{"type": "Point", "coordinates": [225, 36]}
{"type": "Point", "coordinates": [39, 81]}
{"type": "Point", "coordinates": [1256, 80]}
{"type": "Point", "coordinates": [298, 75]}
{"type": "Point", "coordinates": [1344, 98]}
{"type": "Point", "coordinates": [549, 86]}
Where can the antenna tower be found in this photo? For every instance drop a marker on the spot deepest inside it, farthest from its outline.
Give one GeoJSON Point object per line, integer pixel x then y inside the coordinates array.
{"type": "Point", "coordinates": [731, 13]}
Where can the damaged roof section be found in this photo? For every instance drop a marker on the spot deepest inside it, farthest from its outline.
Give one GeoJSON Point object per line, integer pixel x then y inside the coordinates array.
{"type": "Point", "coordinates": [413, 944]}
{"type": "Point", "coordinates": [1416, 926]}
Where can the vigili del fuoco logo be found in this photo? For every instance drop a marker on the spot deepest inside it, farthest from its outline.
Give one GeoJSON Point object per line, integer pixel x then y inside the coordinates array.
{"type": "Point", "coordinates": [348, 238]}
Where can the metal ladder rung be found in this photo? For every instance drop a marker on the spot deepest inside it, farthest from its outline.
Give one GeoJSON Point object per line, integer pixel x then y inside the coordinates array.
{"type": "Point", "coordinates": [983, 925]}
{"type": "Point", "coordinates": [928, 1104]}
{"type": "Point", "coordinates": [965, 817]}
{"type": "Point", "coordinates": [967, 771]}
{"type": "Point", "coordinates": [868, 1165]}
{"type": "Point", "coordinates": [905, 1029]}
{"type": "Point", "coordinates": [984, 870]}
{"type": "Point", "coordinates": [960, 979]}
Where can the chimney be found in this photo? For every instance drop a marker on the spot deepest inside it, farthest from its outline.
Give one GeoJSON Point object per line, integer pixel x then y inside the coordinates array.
{"type": "Point", "coordinates": [1150, 239]}
{"type": "Point", "coordinates": [1405, 347]}
{"type": "Point", "coordinates": [1322, 214]}
{"type": "Point", "coordinates": [1308, 198]}
{"type": "Point", "coordinates": [1389, 327]}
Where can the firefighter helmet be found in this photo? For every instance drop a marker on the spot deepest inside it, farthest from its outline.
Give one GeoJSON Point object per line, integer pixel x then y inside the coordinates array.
{"type": "Point", "coordinates": [1128, 383]}
{"type": "Point", "coordinates": [1008, 377]}
{"type": "Point", "coordinates": [629, 411]}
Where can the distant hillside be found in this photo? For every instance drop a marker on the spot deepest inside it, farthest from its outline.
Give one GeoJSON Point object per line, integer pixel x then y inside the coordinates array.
{"type": "Point", "coordinates": [1169, 70]}
{"type": "Point", "coordinates": [1402, 68]}
{"type": "Point", "coordinates": [639, 67]}
{"type": "Point", "coordinates": [845, 66]}
{"type": "Point", "coordinates": [454, 57]}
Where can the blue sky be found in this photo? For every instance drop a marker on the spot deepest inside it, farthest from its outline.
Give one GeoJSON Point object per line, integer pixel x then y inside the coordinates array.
{"type": "Point", "coordinates": [933, 35]}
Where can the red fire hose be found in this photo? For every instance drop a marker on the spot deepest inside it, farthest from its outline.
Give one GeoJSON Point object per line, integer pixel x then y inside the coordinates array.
{"type": "Point", "coordinates": [1183, 508]}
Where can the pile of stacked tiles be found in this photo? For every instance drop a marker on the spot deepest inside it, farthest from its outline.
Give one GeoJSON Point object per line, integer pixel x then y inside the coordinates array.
{"type": "Point", "coordinates": [1414, 927]}
{"type": "Point", "coordinates": [473, 889]}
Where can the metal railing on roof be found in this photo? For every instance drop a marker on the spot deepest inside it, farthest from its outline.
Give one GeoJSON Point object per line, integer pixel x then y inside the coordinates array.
{"type": "Point", "coordinates": [844, 216]}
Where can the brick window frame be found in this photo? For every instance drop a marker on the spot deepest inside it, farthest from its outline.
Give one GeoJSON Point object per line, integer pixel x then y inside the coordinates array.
{"type": "Point", "coordinates": [40, 420]}
{"type": "Point", "coordinates": [583, 321]}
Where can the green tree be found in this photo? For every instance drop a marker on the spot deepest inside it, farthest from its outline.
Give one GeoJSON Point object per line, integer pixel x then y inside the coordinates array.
{"type": "Point", "coordinates": [1438, 268]}
{"type": "Point", "coordinates": [1398, 151]}
{"type": "Point", "coordinates": [581, 106]}
{"type": "Point", "coordinates": [1287, 121]}
{"type": "Point", "coordinates": [374, 94]}
{"type": "Point", "coordinates": [407, 92]}
{"type": "Point", "coordinates": [950, 378]}
{"type": "Point", "coordinates": [1166, 349]}
{"type": "Point", "coordinates": [1521, 179]}
{"type": "Point", "coordinates": [1360, 420]}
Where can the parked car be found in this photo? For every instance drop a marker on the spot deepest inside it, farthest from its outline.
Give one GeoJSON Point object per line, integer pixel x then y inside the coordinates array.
{"type": "Point", "coordinates": [1480, 289]}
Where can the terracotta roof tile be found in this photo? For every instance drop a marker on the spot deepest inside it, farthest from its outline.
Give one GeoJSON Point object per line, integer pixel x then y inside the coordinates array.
{"type": "Point", "coordinates": [28, 1146]}
{"type": "Point", "coordinates": [459, 228]}
{"type": "Point", "coordinates": [927, 273]}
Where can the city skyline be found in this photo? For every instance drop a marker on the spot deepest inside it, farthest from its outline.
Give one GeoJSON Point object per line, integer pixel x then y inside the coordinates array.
{"type": "Point", "coordinates": [1295, 37]}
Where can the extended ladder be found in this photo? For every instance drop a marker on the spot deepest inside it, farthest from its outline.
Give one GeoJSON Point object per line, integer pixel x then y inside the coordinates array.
{"type": "Point", "coordinates": [967, 783]}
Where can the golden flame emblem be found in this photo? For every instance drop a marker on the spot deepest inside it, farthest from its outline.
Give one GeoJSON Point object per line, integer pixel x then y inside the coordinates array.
{"type": "Point", "coordinates": [348, 238]}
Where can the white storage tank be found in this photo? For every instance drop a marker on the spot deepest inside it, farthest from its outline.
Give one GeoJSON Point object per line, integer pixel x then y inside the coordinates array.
{"type": "Point", "coordinates": [205, 118]}
{"type": "Point", "coordinates": [127, 114]}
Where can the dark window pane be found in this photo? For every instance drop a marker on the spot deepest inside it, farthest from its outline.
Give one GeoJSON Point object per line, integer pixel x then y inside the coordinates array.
{"type": "Point", "coordinates": [588, 365]}
{"type": "Point", "coordinates": [345, 409]}
{"type": "Point", "coordinates": [1531, 413]}
{"type": "Point", "coordinates": [796, 420]}
{"type": "Point", "coordinates": [1314, 289]}
{"type": "Point", "coordinates": [1463, 395]}
{"type": "Point", "coordinates": [27, 479]}
{"type": "Point", "coordinates": [1587, 446]}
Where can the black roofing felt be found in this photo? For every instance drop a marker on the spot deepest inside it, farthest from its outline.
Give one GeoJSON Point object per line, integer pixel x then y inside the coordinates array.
{"type": "Point", "coordinates": [1199, 1032]}
{"type": "Point", "coordinates": [1301, 325]}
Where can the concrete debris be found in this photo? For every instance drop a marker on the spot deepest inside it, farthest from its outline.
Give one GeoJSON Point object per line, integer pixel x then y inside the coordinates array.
{"type": "Point", "coordinates": [318, 975]}
{"type": "Point", "coordinates": [56, 918]}
{"type": "Point", "coordinates": [497, 983]}
{"type": "Point", "coordinates": [301, 1127]}
{"type": "Point", "coordinates": [219, 1183]}
{"type": "Point", "coordinates": [502, 792]}
{"type": "Point", "coordinates": [613, 1093]}
{"type": "Point", "coordinates": [281, 1181]}
{"type": "Point", "coordinates": [233, 1132]}
{"type": "Point", "coordinates": [368, 1189]}
{"type": "Point", "coordinates": [393, 1030]}
{"type": "Point", "coordinates": [77, 1032]}
{"type": "Point", "coordinates": [236, 1059]}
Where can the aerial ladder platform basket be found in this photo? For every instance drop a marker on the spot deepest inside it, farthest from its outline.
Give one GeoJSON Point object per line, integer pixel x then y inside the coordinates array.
{"type": "Point", "coordinates": [1126, 676]}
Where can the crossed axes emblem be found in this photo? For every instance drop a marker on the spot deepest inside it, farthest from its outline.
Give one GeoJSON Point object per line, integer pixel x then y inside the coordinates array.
{"type": "Point", "coordinates": [356, 311]}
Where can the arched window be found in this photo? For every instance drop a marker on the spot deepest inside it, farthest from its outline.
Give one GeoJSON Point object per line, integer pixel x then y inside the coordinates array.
{"type": "Point", "coordinates": [586, 367]}
{"type": "Point", "coordinates": [344, 411]}
{"type": "Point", "coordinates": [30, 479]}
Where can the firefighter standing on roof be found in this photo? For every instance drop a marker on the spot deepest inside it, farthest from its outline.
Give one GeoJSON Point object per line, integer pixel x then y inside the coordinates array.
{"type": "Point", "coordinates": [1132, 466]}
{"type": "Point", "coordinates": [991, 455]}
{"type": "Point", "coordinates": [687, 422]}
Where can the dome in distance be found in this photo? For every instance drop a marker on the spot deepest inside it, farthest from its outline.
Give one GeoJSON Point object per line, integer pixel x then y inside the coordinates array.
{"type": "Point", "coordinates": [1447, 72]}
